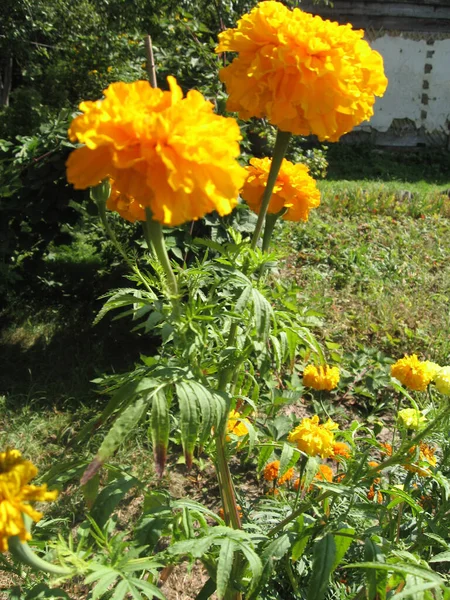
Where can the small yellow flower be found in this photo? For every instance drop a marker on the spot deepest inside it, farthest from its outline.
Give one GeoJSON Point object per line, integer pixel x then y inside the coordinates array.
{"type": "Point", "coordinates": [171, 154]}
{"type": "Point", "coordinates": [312, 438]}
{"type": "Point", "coordinates": [109, 69]}
{"type": "Point", "coordinates": [301, 72]}
{"type": "Point", "coordinates": [321, 377]}
{"type": "Point", "coordinates": [413, 373]}
{"type": "Point", "coordinates": [295, 190]}
{"type": "Point", "coordinates": [442, 380]}
{"type": "Point", "coordinates": [411, 418]}
{"type": "Point", "coordinates": [15, 495]}
{"type": "Point", "coordinates": [237, 425]}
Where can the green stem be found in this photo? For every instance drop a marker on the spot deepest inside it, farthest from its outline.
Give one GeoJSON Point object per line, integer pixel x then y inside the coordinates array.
{"type": "Point", "coordinates": [157, 240]}
{"type": "Point", "coordinates": [230, 508]}
{"type": "Point", "coordinates": [271, 220]}
{"type": "Point", "coordinates": [296, 513]}
{"type": "Point", "coordinates": [24, 554]}
{"type": "Point", "coordinates": [281, 144]}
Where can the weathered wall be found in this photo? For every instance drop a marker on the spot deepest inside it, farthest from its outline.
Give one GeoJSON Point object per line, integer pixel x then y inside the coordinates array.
{"type": "Point", "coordinates": [414, 40]}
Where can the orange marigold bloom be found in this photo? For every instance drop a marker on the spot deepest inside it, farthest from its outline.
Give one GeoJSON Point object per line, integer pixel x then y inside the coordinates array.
{"type": "Point", "coordinates": [286, 477]}
{"type": "Point", "coordinates": [15, 495]}
{"type": "Point", "coordinates": [341, 449]}
{"type": "Point", "coordinates": [169, 153]}
{"type": "Point", "coordinates": [387, 448]}
{"type": "Point", "coordinates": [426, 459]}
{"type": "Point", "coordinates": [371, 494]}
{"type": "Point", "coordinates": [413, 373]}
{"type": "Point", "coordinates": [324, 473]}
{"type": "Point", "coordinates": [305, 74]}
{"type": "Point", "coordinates": [372, 464]}
{"type": "Point", "coordinates": [321, 377]}
{"type": "Point", "coordinates": [271, 470]}
{"type": "Point", "coordinates": [313, 438]}
{"type": "Point", "coordinates": [127, 207]}
{"type": "Point", "coordinates": [295, 190]}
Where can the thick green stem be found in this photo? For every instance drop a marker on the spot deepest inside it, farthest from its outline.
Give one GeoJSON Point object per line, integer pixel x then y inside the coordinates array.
{"type": "Point", "coordinates": [271, 220]}
{"type": "Point", "coordinates": [230, 509]}
{"type": "Point", "coordinates": [23, 553]}
{"type": "Point", "coordinates": [157, 240]}
{"type": "Point", "coordinates": [281, 144]}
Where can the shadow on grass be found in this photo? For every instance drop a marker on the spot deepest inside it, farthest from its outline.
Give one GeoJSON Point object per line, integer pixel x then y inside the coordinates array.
{"type": "Point", "coordinates": [50, 357]}
{"type": "Point", "coordinates": [361, 161]}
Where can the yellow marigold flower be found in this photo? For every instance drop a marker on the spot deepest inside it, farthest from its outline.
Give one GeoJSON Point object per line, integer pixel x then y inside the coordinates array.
{"type": "Point", "coordinates": [295, 190]}
{"type": "Point", "coordinates": [324, 473]}
{"type": "Point", "coordinates": [236, 424]}
{"type": "Point", "coordinates": [169, 153]}
{"type": "Point", "coordinates": [15, 495]}
{"type": "Point", "coordinates": [321, 378]}
{"type": "Point", "coordinates": [341, 449]}
{"type": "Point", "coordinates": [127, 207]}
{"type": "Point", "coordinates": [442, 380]}
{"type": "Point", "coordinates": [305, 74]}
{"type": "Point", "coordinates": [312, 438]}
{"type": "Point", "coordinates": [411, 418]}
{"type": "Point", "coordinates": [413, 373]}
{"type": "Point", "coordinates": [426, 457]}
{"type": "Point", "coordinates": [434, 368]}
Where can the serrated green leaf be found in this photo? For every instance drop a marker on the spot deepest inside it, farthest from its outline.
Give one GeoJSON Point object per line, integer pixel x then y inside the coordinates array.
{"type": "Point", "coordinates": [224, 566]}
{"type": "Point", "coordinates": [160, 427]}
{"type": "Point", "coordinates": [263, 314]}
{"type": "Point", "coordinates": [120, 590]}
{"type": "Point", "coordinates": [264, 455]}
{"type": "Point", "coordinates": [103, 584]}
{"type": "Point", "coordinates": [276, 352]}
{"type": "Point", "coordinates": [343, 540]}
{"type": "Point", "coordinates": [148, 589]}
{"type": "Point", "coordinates": [441, 557]}
{"type": "Point", "coordinates": [324, 554]}
{"type": "Point", "coordinates": [289, 456]}
{"type": "Point", "coordinates": [109, 498]}
{"type": "Point", "coordinates": [299, 547]}
{"type": "Point", "coordinates": [189, 421]}
{"type": "Point", "coordinates": [121, 428]}
{"type": "Point", "coordinates": [243, 300]}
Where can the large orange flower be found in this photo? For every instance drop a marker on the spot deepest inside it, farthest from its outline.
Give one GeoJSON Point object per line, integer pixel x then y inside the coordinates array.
{"type": "Point", "coordinates": [304, 74]}
{"type": "Point", "coordinates": [295, 190]}
{"type": "Point", "coordinates": [169, 153]}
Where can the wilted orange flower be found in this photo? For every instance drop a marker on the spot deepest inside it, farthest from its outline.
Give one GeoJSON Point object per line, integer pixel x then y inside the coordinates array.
{"type": "Point", "coordinates": [127, 207]}
{"type": "Point", "coordinates": [341, 449]}
{"type": "Point", "coordinates": [321, 377]}
{"type": "Point", "coordinates": [371, 494]}
{"type": "Point", "coordinates": [236, 424]}
{"type": "Point", "coordinates": [426, 457]}
{"type": "Point", "coordinates": [413, 373]}
{"type": "Point", "coordinates": [313, 438]}
{"type": "Point", "coordinates": [15, 495]}
{"type": "Point", "coordinates": [169, 153]}
{"type": "Point", "coordinates": [295, 190]}
{"type": "Point", "coordinates": [305, 74]}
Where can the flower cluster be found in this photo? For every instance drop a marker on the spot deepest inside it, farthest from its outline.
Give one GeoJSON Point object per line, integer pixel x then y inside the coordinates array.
{"type": "Point", "coordinates": [426, 459]}
{"type": "Point", "coordinates": [272, 469]}
{"type": "Point", "coordinates": [321, 377]}
{"type": "Point", "coordinates": [169, 153]}
{"type": "Point", "coordinates": [411, 418]}
{"type": "Point", "coordinates": [305, 74]}
{"type": "Point", "coordinates": [414, 373]}
{"type": "Point", "coordinates": [295, 192]}
{"type": "Point", "coordinates": [15, 495]}
{"type": "Point", "coordinates": [314, 439]}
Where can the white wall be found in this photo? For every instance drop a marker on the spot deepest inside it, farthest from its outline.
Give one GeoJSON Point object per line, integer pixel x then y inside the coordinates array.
{"type": "Point", "coordinates": [419, 84]}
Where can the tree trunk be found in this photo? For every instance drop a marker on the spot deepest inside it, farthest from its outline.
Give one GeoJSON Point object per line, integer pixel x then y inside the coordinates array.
{"type": "Point", "coordinates": [5, 82]}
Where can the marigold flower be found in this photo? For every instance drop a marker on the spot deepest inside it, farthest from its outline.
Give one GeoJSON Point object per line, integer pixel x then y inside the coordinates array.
{"type": "Point", "coordinates": [371, 494]}
{"type": "Point", "coordinates": [413, 373]}
{"type": "Point", "coordinates": [426, 457]}
{"type": "Point", "coordinates": [321, 377]}
{"type": "Point", "coordinates": [313, 438]}
{"type": "Point", "coordinates": [411, 418]}
{"type": "Point", "coordinates": [305, 74]}
{"type": "Point", "coordinates": [434, 368]}
{"type": "Point", "coordinates": [15, 495]}
{"type": "Point", "coordinates": [373, 464]}
{"type": "Point", "coordinates": [324, 473]}
{"type": "Point", "coordinates": [271, 470]}
{"type": "Point", "coordinates": [287, 476]}
{"type": "Point", "coordinates": [387, 448]}
{"type": "Point", "coordinates": [341, 449]}
{"type": "Point", "coordinates": [169, 153]}
{"type": "Point", "coordinates": [127, 207]}
{"type": "Point", "coordinates": [295, 190]}
{"type": "Point", "coordinates": [236, 424]}
{"type": "Point", "coordinates": [442, 380]}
